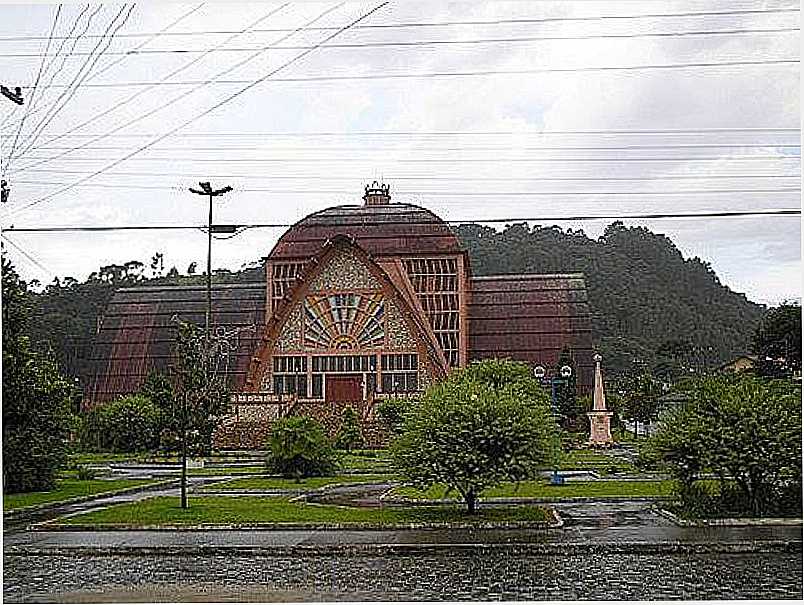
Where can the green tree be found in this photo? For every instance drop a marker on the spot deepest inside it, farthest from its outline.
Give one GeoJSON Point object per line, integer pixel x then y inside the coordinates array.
{"type": "Point", "coordinates": [482, 426]}
{"type": "Point", "coordinates": [640, 401]}
{"type": "Point", "coordinates": [201, 396]}
{"type": "Point", "coordinates": [777, 342]}
{"type": "Point", "coordinates": [36, 398]}
{"type": "Point", "coordinates": [744, 430]}
{"type": "Point", "coordinates": [299, 448]}
{"type": "Point", "coordinates": [349, 435]}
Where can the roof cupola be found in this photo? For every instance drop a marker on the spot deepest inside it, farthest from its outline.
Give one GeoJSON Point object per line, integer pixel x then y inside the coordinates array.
{"type": "Point", "coordinates": [377, 194]}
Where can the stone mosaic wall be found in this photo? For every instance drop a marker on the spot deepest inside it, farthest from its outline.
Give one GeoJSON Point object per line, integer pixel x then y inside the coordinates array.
{"type": "Point", "coordinates": [252, 428]}
{"type": "Point", "coordinates": [345, 271]}
{"type": "Point", "coordinates": [289, 339]}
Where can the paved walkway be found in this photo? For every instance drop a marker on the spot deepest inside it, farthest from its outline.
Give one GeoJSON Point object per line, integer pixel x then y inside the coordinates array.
{"type": "Point", "coordinates": [587, 523]}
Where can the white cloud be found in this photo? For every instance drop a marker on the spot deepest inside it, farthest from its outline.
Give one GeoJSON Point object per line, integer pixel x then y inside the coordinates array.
{"type": "Point", "coordinates": [757, 256]}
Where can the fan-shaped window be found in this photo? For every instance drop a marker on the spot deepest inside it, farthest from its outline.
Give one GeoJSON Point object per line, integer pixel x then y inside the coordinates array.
{"type": "Point", "coordinates": [344, 321]}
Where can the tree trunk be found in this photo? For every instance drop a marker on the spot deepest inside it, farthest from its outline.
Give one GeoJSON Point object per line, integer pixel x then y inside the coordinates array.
{"type": "Point", "coordinates": [471, 502]}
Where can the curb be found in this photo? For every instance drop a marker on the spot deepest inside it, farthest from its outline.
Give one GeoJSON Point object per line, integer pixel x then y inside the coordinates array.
{"type": "Point", "coordinates": [733, 522]}
{"type": "Point", "coordinates": [459, 549]}
{"type": "Point", "coordinates": [14, 514]}
{"type": "Point", "coordinates": [51, 526]}
{"type": "Point", "coordinates": [402, 501]}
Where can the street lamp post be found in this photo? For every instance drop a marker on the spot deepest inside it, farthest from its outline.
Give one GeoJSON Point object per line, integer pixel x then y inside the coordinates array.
{"type": "Point", "coordinates": [206, 189]}
{"type": "Point", "coordinates": [565, 371]}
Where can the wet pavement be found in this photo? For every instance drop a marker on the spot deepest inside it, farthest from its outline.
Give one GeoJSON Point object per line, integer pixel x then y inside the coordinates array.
{"type": "Point", "coordinates": [606, 550]}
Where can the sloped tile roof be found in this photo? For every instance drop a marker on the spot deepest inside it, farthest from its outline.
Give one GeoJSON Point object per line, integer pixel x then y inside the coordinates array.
{"type": "Point", "coordinates": [383, 230]}
{"type": "Point", "coordinates": [531, 318]}
{"type": "Point", "coordinates": [137, 332]}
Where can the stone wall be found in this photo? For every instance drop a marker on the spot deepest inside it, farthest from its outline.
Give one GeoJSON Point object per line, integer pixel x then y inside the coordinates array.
{"type": "Point", "coordinates": [251, 427]}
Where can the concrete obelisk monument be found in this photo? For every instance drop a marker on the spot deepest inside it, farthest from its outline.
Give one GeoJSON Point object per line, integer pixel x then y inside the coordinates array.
{"type": "Point", "coordinates": [599, 417]}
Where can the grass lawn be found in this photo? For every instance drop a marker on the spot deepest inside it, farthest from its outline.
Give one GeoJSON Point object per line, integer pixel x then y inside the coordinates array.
{"type": "Point", "coordinates": [269, 483]}
{"type": "Point", "coordinates": [366, 461]}
{"type": "Point", "coordinates": [255, 509]}
{"type": "Point", "coordinates": [69, 488]}
{"type": "Point", "coordinates": [596, 461]}
{"type": "Point", "coordinates": [542, 489]}
{"type": "Point", "coordinates": [228, 470]}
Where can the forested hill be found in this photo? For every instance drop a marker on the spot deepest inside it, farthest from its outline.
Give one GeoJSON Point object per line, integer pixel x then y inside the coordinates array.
{"type": "Point", "coordinates": [647, 300]}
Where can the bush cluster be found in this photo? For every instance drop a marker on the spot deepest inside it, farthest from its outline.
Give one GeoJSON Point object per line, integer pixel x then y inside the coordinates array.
{"type": "Point", "coordinates": [129, 424]}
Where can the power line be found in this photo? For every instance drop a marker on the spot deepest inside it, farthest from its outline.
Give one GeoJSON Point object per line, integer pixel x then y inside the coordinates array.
{"type": "Point", "coordinates": [440, 193]}
{"type": "Point", "coordinates": [80, 76]}
{"type": "Point", "coordinates": [421, 43]}
{"type": "Point", "coordinates": [462, 74]}
{"type": "Point", "coordinates": [110, 65]}
{"type": "Point", "coordinates": [521, 21]}
{"type": "Point", "coordinates": [477, 220]}
{"type": "Point", "coordinates": [419, 133]}
{"type": "Point", "coordinates": [33, 92]}
{"type": "Point", "coordinates": [26, 255]}
{"type": "Point", "coordinates": [451, 179]}
{"type": "Point", "coordinates": [419, 160]}
{"type": "Point", "coordinates": [161, 32]}
{"type": "Point", "coordinates": [203, 113]}
{"type": "Point", "coordinates": [164, 105]}
{"type": "Point", "coordinates": [76, 21]}
{"type": "Point", "coordinates": [138, 94]}
{"type": "Point", "coordinates": [220, 148]}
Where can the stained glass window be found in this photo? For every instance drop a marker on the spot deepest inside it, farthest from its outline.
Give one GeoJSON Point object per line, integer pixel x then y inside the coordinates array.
{"type": "Point", "coordinates": [344, 321]}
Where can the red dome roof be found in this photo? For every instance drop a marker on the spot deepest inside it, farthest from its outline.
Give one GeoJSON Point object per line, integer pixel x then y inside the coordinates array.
{"type": "Point", "coordinates": [381, 230]}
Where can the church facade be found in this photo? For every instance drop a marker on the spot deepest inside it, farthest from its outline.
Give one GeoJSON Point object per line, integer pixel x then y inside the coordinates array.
{"type": "Point", "coordinates": [360, 302]}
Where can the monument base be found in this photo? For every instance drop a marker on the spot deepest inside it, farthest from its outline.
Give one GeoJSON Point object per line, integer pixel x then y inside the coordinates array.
{"type": "Point", "coordinates": [600, 428]}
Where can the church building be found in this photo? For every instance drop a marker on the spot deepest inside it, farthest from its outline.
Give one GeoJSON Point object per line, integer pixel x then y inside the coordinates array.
{"type": "Point", "coordinates": [360, 302]}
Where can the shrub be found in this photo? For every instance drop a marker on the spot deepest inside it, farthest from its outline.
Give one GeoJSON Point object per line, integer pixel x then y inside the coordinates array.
{"type": "Point", "coordinates": [299, 448]}
{"type": "Point", "coordinates": [349, 435]}
{"type": "Point", "coordinates": [129, 424]}
{"type": "Point", "coordinates": [85, 473]}
{"type": "Point", "coordinates": [391, 412]}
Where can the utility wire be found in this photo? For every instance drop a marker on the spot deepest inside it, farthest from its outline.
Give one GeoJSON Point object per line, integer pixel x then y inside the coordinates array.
{"type": "Point", "coordinates": [151, 37]}
{"type": "Point", "coordinates": [450, 179]}
{"type": "Point", "coordinates": [421, 133]}
{"type": "Point", "coordinates": [476, 220]}
{"type": "Point", "coordinates": [76, 39]}
{"type": "Point", "coordinates": [183, 95]}
{"type": "Point", "coordinates": [420, 43]}
{"type": "Point", "coordinates": [107, 67]}
{"type": "Point", "coordinates": [466, 74]}
{"type": "Point", "coordinates": [26, 255]}
{"type": "Point", "coordinates": [45, 122]}
{"type": "Point", "coordinates": [138, 94]}
{"type": "Point", "coordinates": [522, 21]}
{"type": "Point", "coordinates": [33, 93]}
{"type": "Point", "coordinates": [419, 160]}
{"type": "Point", "coordinates": [202, 114]}
{"type": "Point", "coordinates": [440, 193]}
{"type": "Point", "coordinates": [219, 148]}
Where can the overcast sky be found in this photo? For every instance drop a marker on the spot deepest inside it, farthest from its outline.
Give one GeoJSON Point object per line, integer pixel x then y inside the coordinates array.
{"type": "Point", "coordinates": [433, 153]}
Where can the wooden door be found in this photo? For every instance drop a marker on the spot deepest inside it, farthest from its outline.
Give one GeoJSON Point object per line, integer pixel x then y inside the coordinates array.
{"type": "Point", "coordinates": [344, 388]}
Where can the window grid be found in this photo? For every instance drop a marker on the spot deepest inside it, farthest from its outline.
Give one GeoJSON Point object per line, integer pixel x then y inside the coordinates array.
{"type": "Point", "coordinates": [283, 279]}
{"type": "Point", "coordinates": [435, 281]}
